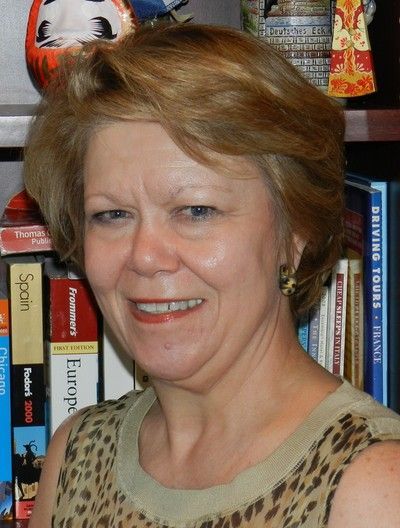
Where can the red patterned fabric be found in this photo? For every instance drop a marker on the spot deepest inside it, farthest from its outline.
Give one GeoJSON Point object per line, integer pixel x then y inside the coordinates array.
{"type": "Point", "coordinates": [351, 69]}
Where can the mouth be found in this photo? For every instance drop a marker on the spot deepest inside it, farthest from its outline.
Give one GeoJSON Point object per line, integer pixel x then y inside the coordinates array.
{"type": "Point", "coordinates": [163, 311]}
{"type": "Point", "coordinates": [167, 307]}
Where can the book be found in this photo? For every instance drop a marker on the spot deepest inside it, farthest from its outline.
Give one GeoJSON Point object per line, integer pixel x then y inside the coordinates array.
{"type": "Point", "coordinates": [313, 333]}
{"type": "Point", "coordinates": [72, 342]}
{"type": "Point", "coordinates": [354, 345]}
{"type": "Point", "coordinates": [323, 326]}
{"type": "Point", "coordinates": [118, 367]}
{"type": "Point", "coordinates": [337, 318]}
{"type": "Point", "coordinates": [28, 383]}
{"type": "Point", "coordinates": [363, 237]}
{"type": "Point", "coordinates": [303, 330]}
{"type": "Point", "coordinates": [381, 186]}
{"type": "Point", "coordinates": [22, 228]}
{"type": "Point", "coordinates": [394, 295]}
{"type": "Point", "coordinates": [6, 494]}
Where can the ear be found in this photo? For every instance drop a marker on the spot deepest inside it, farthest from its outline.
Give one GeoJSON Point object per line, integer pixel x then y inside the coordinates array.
{"type": "Point", "coordinates": [297, 248]}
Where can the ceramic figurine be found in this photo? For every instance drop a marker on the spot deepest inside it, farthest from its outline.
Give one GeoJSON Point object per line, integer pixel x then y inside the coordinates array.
{"type": "Point", "coordinates": [57, 27]}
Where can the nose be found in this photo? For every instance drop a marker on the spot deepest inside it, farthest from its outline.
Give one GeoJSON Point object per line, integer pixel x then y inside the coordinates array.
{"type": "Point", "coordinates": [153, 250]}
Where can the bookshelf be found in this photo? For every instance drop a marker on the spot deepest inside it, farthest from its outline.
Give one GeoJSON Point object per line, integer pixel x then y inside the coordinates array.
{"type": "Point", "coordinates": [372, 123]}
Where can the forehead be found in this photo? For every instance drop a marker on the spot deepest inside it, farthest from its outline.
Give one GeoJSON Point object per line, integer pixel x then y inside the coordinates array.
{"type": "Point", "coordinates": [147, 147]}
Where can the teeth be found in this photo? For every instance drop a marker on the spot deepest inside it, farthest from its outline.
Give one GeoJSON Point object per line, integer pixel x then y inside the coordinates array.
{"type": "Point", "coordinates": [160, 308]}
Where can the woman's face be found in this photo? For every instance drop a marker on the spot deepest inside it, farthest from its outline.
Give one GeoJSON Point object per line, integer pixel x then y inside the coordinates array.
{"type": "Point", "coordinates": [183, 260]}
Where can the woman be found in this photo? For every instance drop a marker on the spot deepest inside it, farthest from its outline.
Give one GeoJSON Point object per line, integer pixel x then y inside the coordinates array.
{"type": "Point", "coordinates": [197, 178]}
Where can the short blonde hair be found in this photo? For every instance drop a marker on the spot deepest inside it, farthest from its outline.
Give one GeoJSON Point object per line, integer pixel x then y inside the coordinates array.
{"type": "Point", "coordinates": [213, 89]}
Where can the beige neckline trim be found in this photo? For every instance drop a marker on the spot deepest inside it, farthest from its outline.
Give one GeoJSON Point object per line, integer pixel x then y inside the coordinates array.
{"type": "Point", "coordinates": [179, 507]}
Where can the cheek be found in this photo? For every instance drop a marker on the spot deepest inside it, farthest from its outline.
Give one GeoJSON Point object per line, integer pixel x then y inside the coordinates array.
{"type": "Point", "coordinates": [233, 261]}
{"type": "Point", "coordinates": [101, 264]}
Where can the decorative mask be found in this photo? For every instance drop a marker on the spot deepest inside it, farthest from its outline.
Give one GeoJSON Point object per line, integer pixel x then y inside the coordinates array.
{"type": "Point", "coordinates": [57, 27]}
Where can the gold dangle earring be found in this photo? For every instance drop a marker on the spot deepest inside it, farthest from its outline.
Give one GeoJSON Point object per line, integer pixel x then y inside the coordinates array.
{"type": "Point", "coordinates": [287, 280]}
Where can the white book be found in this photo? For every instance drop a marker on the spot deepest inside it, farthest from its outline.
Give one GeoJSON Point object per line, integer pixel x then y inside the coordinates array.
{"type": "Point", "coordinates": [118, 367]}
{"type": "Point", "coordinates": [337, 318]}
{"type": "Point", "coordinates": [323, 325]}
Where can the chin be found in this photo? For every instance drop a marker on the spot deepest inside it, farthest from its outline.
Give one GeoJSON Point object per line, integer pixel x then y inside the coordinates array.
{"type": "Point", "coordinates": [178, 371]}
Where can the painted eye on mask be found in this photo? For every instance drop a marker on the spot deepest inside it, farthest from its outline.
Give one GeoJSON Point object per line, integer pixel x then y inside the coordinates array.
{"type": "Point", "coordinates": [58, 27]}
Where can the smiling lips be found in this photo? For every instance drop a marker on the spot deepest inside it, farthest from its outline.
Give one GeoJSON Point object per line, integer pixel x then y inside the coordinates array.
{"type": "Point", "coordinates": [162, 311]}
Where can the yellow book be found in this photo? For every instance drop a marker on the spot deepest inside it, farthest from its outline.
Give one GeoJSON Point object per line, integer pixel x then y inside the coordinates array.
{"type": "Point", "coordinates": [28, 379]}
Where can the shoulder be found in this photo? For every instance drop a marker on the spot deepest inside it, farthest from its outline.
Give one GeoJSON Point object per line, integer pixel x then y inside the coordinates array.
{"type": "Point", "coordinates": [69, 444]}
{"type": "Point", "coordinates": [359, 429]}
{"type": "Point", "coordinates": [368, 494]}
{"type": "Point", "coordinates": [42, 511]}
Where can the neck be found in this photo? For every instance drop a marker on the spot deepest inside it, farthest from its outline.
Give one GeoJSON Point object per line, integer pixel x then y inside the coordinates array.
{"type": "Point", "coordinates": [260, 381]}
{"type": "Point", "coordinates": [247, 412]}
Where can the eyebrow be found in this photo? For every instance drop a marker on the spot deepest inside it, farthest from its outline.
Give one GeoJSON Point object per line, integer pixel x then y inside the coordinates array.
{"type": "Point", "coordinates": [182, 188]}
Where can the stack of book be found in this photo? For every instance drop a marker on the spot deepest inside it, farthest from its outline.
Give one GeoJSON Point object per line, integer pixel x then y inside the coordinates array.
{"type": "Point", "coordinates": [54, 356]}
{"type": "Point", "coordinates": [354, 330]}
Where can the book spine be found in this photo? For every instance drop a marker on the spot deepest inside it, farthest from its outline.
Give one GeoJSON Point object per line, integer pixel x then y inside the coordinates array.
{"type": "Point", "coordinates": [354, 348]}
{"type": "Point", "coordinates": [303, 331]}
{"type": "Point", "coordinates": [73, 348]}
{"type": "Point", "coordinates": [29, 398]}
{"type": "Point", "coordinates": [381, 186]}
{"type": "Point", "coordinates": [6, 494]}
{"type": "Point", "coordinates": [330, 330]}
{"type": "Point", "coordinates": [24, 239]}
{"type": "Point", "coordinates": [394, 295]}
{"type": "Point", "coordinates": [323, 326]}
{"type": "Point", "coordinates": [365, 232]}
{"type": "Point", "coordinates": [118, 367]}
{"type": "Point", "coordinates": [314, 332]}
{"type": "Point", "coordinates": [339, 317]}
{"type": "Point", "coordinates": [373, 299]}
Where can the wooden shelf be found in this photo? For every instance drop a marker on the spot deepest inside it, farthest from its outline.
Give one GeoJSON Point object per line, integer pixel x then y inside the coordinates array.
{"type": "Point", "coordinates": [372, 125]}
{"type": "Point", "coordinates": [361, 125]}
{"type": "Point", "coordinates": [14, 123]}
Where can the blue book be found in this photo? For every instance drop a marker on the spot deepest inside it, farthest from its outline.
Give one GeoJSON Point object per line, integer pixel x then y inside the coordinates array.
{"type": "Point", "coordinates": [363, 235]}
{"type": "Point", "coordinates": [302, 331]}
{"type": "Point", "coordinates": [394, 294]}
{"type": "Point", "coordinates": [381, 186]}
{"type": "Point", "coordinates": [6, 486]}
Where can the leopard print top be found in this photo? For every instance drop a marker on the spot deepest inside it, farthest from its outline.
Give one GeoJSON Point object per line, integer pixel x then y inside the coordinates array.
{"type": "Point", "coordinates": [101, 483]}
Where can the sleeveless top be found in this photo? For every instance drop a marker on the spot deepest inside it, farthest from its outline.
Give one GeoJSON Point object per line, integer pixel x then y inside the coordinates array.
{"type": "Point", "coordinates": [101, 483]}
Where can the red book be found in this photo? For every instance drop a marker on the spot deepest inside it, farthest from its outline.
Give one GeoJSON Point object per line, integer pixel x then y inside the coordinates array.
{"type": "Point", "coordinates": [73, 343]}
{"type": "Point", "coordinates": [22, 228]}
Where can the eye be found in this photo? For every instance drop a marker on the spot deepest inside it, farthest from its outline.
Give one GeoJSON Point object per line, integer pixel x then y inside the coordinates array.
{"type": "Point", "coordinates": [198, 212]}
{"type": "Point", "coordinates": [111, 216]}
